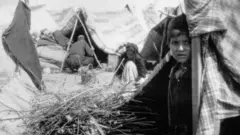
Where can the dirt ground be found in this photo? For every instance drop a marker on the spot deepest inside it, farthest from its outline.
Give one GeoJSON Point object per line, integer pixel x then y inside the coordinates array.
{"type": "Point", "coordinates": [62, 82]}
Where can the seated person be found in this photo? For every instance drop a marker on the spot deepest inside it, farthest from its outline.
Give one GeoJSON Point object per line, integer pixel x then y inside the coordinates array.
{"type": "Point", "coordinates": [80, 54]}
{"type": "Point", "coordinates": [179, 90]}
{"type": "Point", "coordinates": [133, 66]}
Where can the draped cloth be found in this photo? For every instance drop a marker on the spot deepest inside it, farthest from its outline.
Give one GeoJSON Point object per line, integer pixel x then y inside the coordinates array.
{"type": "Point", "coordinates": [19, 44]}
{"type": "Point", "coordinates": [217, 23]}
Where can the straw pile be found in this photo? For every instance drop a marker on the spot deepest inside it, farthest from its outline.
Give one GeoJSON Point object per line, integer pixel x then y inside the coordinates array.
{"type": "Point", "coordinates": [93, 110]}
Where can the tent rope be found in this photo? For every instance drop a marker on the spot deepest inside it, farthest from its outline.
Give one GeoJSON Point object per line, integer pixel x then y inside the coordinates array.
{"type": "Point", "coordinates": [90, 43]}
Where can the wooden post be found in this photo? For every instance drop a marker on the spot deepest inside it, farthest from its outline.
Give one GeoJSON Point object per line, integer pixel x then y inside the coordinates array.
{"type": "Point", "coordinates": [196, 80]}
{"type": "Point", "coordinates": [69, 43]}
{"type": "Point", "coordinates": [114, 75]}
{"type": "Point", "coordinates": [26, 2]}
{"type": "Point", "coordinates": [90, 43]}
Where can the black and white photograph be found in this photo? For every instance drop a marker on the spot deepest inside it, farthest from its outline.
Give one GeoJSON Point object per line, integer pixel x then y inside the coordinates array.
{"type": "Point", "coordinates": [119, 67]}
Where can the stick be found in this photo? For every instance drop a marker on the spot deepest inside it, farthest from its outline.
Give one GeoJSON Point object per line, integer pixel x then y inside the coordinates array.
{"type": "Point", "coordinates": [196, 80]}
{"type": "Point", "coordinates": [167, 14]}
{"type": "Point", "coordinates": [73, 32]}
{"type": "Point", "coordinates": [90, 43]}
{"type": "Point", "coordinates": [154, 72]}
{"type": "Point", "coordinates": [118, 67]}
{"type": "Point", "coordinates": [94, 121]}
{"type": "Point", "coordinates": [155, 47]}
{"type": "Point", "coordinates": [117, 70]}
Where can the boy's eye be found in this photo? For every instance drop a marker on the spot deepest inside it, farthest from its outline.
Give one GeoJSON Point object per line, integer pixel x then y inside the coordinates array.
{"type": "Point", "coordinates": [175, 42]}
{"type": "Point", "coordinates": [186, 42]}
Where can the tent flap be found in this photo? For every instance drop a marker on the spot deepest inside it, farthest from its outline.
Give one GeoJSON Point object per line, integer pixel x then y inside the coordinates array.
{"type": "Point", "coordinates": [19, 45]}
{"type": "Point", "coordinates": [217, 22]}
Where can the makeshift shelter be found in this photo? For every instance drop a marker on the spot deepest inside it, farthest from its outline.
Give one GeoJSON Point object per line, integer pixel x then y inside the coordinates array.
{"type": "Point", "coordinates": [108, 30]}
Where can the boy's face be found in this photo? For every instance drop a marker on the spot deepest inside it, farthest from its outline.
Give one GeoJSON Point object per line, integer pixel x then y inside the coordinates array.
{"type": "Point", "coordinates": [180, 48]}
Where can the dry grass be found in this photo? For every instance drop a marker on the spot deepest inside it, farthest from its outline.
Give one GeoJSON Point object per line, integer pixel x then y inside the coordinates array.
{"type": "Point", "coordinates": [93, 110]}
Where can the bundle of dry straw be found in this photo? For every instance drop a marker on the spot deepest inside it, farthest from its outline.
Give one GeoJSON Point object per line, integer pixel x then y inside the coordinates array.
{"type": "Point", "coordinates": [93, 110]}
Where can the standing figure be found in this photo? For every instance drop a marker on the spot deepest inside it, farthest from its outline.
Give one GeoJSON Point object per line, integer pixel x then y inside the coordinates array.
{"type": "Point", "coordinates": [180, 88]}
{"type": "Point", "coordinates": [80, 54]}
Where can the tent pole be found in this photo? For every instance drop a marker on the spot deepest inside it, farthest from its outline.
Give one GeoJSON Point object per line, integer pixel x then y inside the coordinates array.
{"type": "Point", "coordinates": [90, 43]}
{"type": "Point", "coordinates": [69, 43]}
{"type": "Point", "coordinates": [196, 80]}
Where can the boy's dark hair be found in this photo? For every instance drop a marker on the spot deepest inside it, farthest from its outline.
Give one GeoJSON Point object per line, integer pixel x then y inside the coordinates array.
{"type": "Point", "coordinates": [178, 26]}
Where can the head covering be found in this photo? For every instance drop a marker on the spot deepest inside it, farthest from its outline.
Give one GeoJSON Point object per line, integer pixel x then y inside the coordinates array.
{"type": "Point", "coordinates": [178, 25]}
{"type": "Point", "coordinates": [131, 47]}
{"type": "Point", "coordinates": [81, 37]}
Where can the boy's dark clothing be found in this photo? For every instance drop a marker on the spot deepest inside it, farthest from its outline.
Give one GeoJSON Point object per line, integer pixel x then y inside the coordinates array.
{"type": "Point", "coordinates": [180, 99]}
{"type": "Point", "coordinates": [80, 54]}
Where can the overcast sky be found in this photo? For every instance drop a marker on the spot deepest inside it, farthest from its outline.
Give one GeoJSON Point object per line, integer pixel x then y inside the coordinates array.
{"type": "Point", "coordinates": [7, 7]}
{"type": "Point", "coordinates": [90, 4]}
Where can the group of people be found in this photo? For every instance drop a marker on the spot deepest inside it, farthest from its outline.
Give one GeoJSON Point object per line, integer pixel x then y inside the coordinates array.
{"type": "Point", "coordinates": [131, 67]}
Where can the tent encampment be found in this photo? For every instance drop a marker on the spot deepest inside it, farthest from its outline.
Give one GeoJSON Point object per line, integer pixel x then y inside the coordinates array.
{"type": "Point", "coordinates": [17, 88]}
{"type": "Point", "coordinates": [215, 22]}
{"type": "Point", "coordinates": [108, 30]}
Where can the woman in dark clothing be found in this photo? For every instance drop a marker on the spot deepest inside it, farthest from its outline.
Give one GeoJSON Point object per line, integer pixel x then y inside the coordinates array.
{"type": "Point", "coordinates": [179, 92]}
{"type": "Point", "coordinates": [132, 66]}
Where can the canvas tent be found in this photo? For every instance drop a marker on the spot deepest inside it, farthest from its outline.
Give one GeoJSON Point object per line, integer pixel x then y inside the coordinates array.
{"type": "Point", "coordinates": [107, 29]}
{"type": "Point", "coordinates": [110, 29]}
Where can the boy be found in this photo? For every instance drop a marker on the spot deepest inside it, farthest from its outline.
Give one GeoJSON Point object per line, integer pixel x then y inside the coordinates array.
{"type": "Point", "coordinates": [179, 90]}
